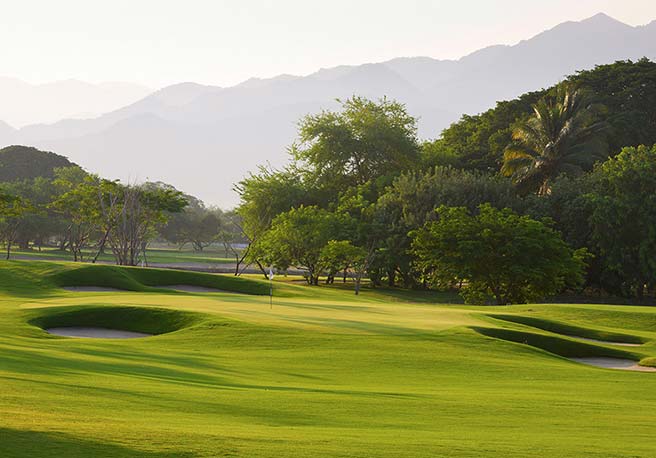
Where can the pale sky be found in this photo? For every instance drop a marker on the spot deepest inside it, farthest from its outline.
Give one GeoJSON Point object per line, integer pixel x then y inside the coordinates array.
{"type": "Point", "coordinates": [221, 42]}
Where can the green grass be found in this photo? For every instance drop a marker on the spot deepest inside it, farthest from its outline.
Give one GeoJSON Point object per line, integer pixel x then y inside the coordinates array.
{"type": "Point", "coordinates": [321, 374]}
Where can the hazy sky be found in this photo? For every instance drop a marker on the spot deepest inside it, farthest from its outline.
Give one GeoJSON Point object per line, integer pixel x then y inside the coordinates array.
{"type": "Point", "coordinates": [159, 42]}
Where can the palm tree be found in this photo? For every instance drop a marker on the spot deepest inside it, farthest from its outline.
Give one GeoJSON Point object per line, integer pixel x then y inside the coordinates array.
{"type": "Point", "coordinates": [564, 135]}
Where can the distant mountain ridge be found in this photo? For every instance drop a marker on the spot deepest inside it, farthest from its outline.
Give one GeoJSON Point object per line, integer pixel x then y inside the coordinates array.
{"type": "Point", "coordinates": [24, 103]}
{"type": "Point", "coordinates": [202, 139]}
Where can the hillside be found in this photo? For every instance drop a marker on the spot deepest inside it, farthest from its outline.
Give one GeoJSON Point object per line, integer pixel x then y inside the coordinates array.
{"type": "Point", "coordinates": [222, 133]}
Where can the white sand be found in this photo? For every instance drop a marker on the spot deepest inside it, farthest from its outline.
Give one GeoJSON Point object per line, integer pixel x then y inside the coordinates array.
{"type": "Point", "coordinates": [614, 363]}
{"type": "Point", "coordinates": [620, 344]}
{"type": "Point", "coordinates": [193, 289]}
{"type": "Point", "coordinates": [91, 289]}
{"type": "Point", "coordinates": [95, 333]}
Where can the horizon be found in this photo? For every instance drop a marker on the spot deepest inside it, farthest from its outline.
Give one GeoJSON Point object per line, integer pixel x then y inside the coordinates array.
{"type": "Point", "coordinates": [251, 58]}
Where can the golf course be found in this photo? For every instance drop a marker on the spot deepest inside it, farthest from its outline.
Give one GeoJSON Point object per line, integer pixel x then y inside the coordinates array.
{"type": "Point", "coordinates": [321, 372]}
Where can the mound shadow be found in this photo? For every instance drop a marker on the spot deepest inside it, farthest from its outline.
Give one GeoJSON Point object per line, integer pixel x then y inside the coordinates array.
{"type": "Point", "coordinates": [151, 321]}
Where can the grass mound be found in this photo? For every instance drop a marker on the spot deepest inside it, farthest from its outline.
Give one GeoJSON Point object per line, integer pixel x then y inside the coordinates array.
{"type": "Point", "coordinates": [570, 330]}
{"type": "Point", "coordinates": [553, 344]}
{"type": "Point", "coordinates": [140, 279]}
{"type": "Point", "coordinates": [648, 362]}
{"type": "Point", "coordinates": [136, 319]}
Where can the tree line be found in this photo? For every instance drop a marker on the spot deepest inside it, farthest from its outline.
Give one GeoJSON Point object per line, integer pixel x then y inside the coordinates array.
{"type": "Point", "coordinates": [548, 192]}
{"type": "Point", "coordinates": [86, 215]}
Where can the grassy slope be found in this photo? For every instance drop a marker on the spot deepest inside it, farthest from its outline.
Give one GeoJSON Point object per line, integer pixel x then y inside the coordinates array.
{"type": "Point", "coordinates": [320, 374]}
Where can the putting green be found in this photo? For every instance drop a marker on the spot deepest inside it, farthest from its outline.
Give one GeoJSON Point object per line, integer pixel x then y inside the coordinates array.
{"type": "Point", "coordinates": [320, 374]}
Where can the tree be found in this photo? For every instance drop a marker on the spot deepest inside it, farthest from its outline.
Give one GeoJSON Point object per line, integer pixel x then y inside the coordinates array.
{"type": "Point", "coordinates": [195, 224]}
{"type": "Point", "coordinates": [297, 237]}
{"type": "Point", "coordinates": [628, 90]}
{"type": "Point", "coordinates": [624, 218]}
{"type": "Point", "coordinates": [134, 216]}
{"type": "Point", "coordinates": [39, 222]}
{"type": "Point", "coordinates": [12, 210]}
{"type": "Point", "coordinates": [83, 200]}
{"type": "Point", "coordinates": [411, 201]}
{"type": "Point", "coordinates": [495, 253]}
{"type": "Point", "coordinates": [365, 141]}
{"type": "Point", "coordinates": [563, 136]}
{"type": "Point", "coordinates": [232, 236]}
{"type": "Point", "coordinates": [341, 256]}
{"type": "Point", "coordinates": [265, 195]}
{"type": "Point", "coordinates": [478, 141]}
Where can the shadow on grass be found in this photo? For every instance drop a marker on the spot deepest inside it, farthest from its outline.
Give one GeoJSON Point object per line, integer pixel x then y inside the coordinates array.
{"type": "Point", "coordinates": [556, 345]}
{"type": "Point", "coordinates": [17, 444]}
{"type": "Point", "coordinates": [571, 330]}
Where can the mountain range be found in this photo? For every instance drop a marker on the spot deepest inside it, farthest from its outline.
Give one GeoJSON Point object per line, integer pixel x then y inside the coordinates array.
{"type": "Point", "coordinates": [202, 139]}
{"type": "Point", "coordinates": [24, 103]}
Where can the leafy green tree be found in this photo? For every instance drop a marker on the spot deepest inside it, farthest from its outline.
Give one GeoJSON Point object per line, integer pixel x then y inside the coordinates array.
{"type": "Point", "coordinates": [624, 218]}
{"type": "Point", "coordinates": [366, 141]}
{"type": "Point", "coordinates": [411, 201]}
{"type": "Point", "coordinates": [565, 135]}
{"type": "Point", "coordinates": [569, 205]}
{"type": "Point", "coordinates": [343, 256]}
{"type": "Point", "coordinates": [195, 224]}
{"type": "Point", "coordinates": [265, 195]}
{"type": "Point", "coordinates": [82, 200]}
{"type": "Point", "coordinates": [478, 142]}
{"type": "Point", "coordinates": [232, 238]}
{"type": "Point", "coordinates": [297, 237]}
{"type": "Point", "coordinates": [39, 223]}
{"type": "Point", "coordinates": [133, 217]}
{"type": "Point", "coordinates": [495, 253]}
{"type": "Point", "coordinates": [12, 210]}
{"type": "Point", "coordinates": [628, 90]}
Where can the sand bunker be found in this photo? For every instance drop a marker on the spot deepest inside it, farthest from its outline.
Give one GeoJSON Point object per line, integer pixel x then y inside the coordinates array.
{"type": "Point", "coordinates": [605, 342]}
{"type": "Point", "coordinates": [91, 289]}
{"type": "Point", "coordinates": [614, 363]}
{"type": "Point", "coordinates": [193, 289]}
{"type": "Point", "coordinates": [95, 333]}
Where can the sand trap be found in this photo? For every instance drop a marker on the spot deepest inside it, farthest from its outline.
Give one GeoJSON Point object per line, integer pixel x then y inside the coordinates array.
{"type": "Point", "coordinates": [91, 289]}
{"type": "Point", "coordinates": [614, 363]}
{"type": "Point", "coordinates": [620, 344]}
{"type": "Point", "coordinates": [193, 289]}
{"type": "Point", "coordinates": [95, 333]}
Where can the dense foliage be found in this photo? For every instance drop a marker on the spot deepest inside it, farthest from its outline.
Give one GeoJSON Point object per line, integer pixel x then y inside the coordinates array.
{"type": "Point", "coordinates": [529, 160]}
{"type": "Point", "coordinates": [26, 163]}
{"type": "Point", "coordinates": [495, 253]}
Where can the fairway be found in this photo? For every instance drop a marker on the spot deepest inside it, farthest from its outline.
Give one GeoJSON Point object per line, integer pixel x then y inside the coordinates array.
{"type": "Point", "coordinates": [321, 373]}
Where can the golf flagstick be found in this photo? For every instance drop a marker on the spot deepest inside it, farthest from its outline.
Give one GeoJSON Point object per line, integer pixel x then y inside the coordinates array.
{"type": "Point", "coordinates": [271, 287]}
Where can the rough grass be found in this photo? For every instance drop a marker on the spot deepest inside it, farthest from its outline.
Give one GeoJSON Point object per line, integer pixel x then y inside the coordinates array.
{"type": "Point", "coordinates": [320, 374]}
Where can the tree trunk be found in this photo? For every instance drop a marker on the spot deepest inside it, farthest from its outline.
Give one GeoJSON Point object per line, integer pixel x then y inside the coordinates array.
{"type": "Point", "coordinates": [391, 279]}
{"type": "Point", "coordinates": [101, 246]}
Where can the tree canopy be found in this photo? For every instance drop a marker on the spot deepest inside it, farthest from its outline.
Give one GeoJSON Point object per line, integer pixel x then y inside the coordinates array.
{"type": "Point", "coordinates": [365, 141]}
{"type": "Point", "coordinates": [495, 253]}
